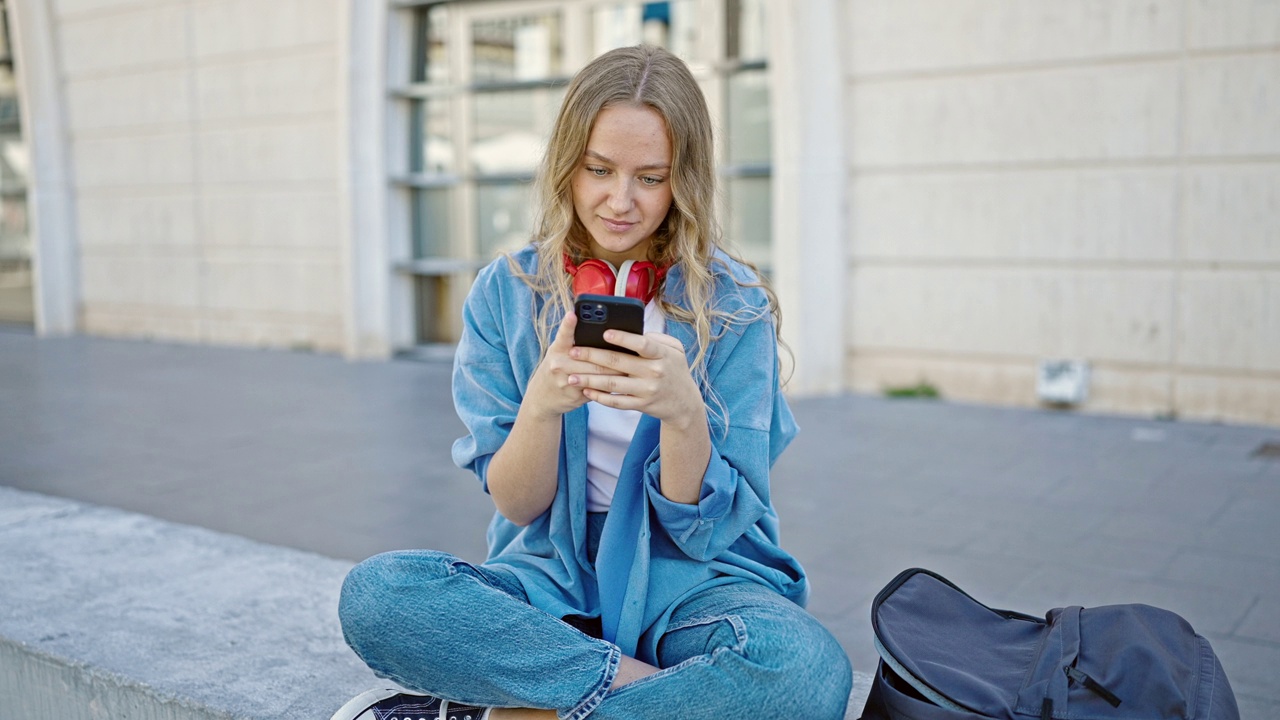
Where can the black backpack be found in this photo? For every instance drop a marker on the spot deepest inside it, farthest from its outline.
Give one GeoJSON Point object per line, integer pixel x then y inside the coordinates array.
{"type": "Point", "coordinates": [946, 656]}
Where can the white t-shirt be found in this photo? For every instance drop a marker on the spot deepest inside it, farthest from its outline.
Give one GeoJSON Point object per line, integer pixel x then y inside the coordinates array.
{"type": "Point", "coordinates": [609, 433]}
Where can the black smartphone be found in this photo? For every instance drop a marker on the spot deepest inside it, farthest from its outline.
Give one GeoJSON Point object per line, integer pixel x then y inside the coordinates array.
{"type": "Point", "coordinates": [597, 313]}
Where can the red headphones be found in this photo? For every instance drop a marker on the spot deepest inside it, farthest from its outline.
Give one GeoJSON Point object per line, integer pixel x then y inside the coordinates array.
{"type": "Point", "coordinates": [636, 279]}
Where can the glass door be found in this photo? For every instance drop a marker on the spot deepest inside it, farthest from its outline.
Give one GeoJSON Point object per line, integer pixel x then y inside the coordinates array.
{"type": "Point", "coordinates": [476, 89]}
{"type": "Point", "coordinates": [16, 300]}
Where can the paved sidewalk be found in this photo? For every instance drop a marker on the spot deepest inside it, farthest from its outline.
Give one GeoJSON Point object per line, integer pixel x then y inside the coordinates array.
{"type": "Point", "coordinates": [1024, 509]}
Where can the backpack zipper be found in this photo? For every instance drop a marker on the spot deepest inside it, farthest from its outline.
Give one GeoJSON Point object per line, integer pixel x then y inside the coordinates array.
{"type": "Point", "coordinates": [1091, 685]}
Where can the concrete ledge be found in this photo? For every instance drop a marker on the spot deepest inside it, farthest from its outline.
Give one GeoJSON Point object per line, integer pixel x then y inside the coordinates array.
{"type": "Point", "coordinates": [108, 614]}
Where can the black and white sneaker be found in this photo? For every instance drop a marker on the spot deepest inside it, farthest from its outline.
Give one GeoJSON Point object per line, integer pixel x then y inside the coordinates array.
{"type": "Point", "coordinates": [393, 703]}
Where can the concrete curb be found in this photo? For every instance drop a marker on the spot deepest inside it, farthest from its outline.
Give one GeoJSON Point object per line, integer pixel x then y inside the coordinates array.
{"type": "Point", "coordinates": [110, 614]}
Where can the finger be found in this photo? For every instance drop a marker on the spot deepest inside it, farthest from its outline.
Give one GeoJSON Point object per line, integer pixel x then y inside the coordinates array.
{"type": "Point", "coordinates": [605, 384]}
{"type": "Point", "coordinates": [667, 340]}
{"type": "Point", "coordinates": [611, 361]}
{"type": "Point", "coordinates": [619, 401]}
{"type": "Point", "coordinates": [564, 334]}
{"type": "Point", "coordinates": [622, 338]}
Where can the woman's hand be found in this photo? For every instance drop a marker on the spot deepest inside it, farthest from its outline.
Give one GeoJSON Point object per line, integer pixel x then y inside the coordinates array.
{"type": "Point", "coordinates": [551, 391]}
{"type": "Point", "coordinates": [522, 477]}
{"type": "Point", "coordinates": [657, 382]}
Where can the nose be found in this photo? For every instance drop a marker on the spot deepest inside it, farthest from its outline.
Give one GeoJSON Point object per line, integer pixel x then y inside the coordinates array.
{"type": "Point", "coordinates": [620, 197]}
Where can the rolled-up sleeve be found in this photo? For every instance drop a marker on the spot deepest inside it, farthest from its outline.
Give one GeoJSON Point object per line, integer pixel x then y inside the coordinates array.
{"type": "Point", "coordinates": [486, 393]}
{"type": "Point", "coordinates": [749, 436]}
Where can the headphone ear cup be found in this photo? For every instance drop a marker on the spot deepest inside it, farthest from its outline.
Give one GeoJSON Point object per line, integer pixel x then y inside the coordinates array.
{"type": "Point", "coordinates": [594, 277]}
{"type": "Point", "coordinates": [641, 281]}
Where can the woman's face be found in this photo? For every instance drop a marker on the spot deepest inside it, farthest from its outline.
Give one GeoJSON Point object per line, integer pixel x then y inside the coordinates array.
{"type": "Point", "coordinates": [622, 186]}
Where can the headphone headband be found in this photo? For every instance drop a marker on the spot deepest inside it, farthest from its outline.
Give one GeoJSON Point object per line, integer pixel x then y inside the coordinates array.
{"type": "Point", "coordinates": [639, 279]}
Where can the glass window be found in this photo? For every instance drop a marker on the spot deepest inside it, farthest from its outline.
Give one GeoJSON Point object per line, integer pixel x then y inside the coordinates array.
{"type": "Point", "coordinates": [748, 118]}
{"type": "Point", "coordinates": [431, 231]}
{"type": "Point", "coordinates": [667, 24]}
{"type": "Point", "coordinates": [431, 58]}
{"type": "Point", "coordinates": [745, 30]}
{"type": "Point", "coordinates": [515, 49]}
{"type": "Point", "coordinates": [511, 129]}
{"type": "Point", "coordinates": [432, 136]}
{"type": "Point", "coordinates": [432, 297]}
{"type": "Point", "coordinates": [504, 217]}
{"type": "Point", "coordinates": [751, 217]}
{"type": "Point", "coordinates": [16, 288]}
{"type": "Point", "coordinates": [487, 82]}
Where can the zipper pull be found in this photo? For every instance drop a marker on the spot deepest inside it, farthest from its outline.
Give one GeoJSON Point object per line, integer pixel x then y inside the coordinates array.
{"type": "Point", "coordinates": [1091, 685]}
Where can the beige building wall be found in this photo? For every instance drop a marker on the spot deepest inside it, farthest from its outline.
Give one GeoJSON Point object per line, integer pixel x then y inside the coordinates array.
{"type": "Point", "coordinates": [1084, 179]}
{"type": "Point", "coordinates": [204, 142]}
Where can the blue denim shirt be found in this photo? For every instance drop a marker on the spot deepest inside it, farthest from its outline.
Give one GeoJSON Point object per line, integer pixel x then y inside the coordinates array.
{"type": "Point", "coordinates": [653, 552]}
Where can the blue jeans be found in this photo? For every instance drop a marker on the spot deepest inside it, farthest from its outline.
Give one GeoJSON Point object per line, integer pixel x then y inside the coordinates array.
{"type": "Point", "coordinates": [438, 625]}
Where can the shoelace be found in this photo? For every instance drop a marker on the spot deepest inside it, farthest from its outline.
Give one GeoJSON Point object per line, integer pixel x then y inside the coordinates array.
{"type": "Point", "coordinates": [463, 712]}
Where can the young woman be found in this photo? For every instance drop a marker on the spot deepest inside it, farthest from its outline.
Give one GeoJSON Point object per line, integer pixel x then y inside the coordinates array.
{"type": "Point", "coordinates": [634, 569]}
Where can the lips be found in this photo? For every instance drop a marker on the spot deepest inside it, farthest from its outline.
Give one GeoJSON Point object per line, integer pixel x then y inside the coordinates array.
{"type": "Point", "coordinates": [617, 226]}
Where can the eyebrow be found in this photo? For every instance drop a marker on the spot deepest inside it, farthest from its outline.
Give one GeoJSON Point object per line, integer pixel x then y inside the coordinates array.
{"type": "Point", "coordinates": [602, 158]}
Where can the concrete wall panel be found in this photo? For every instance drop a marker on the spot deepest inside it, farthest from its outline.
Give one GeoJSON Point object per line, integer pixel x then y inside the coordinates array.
{"type": "Point", "coordinates": [146, 99]}
{"type": "Point", "coordinates": [1056, 214]}
{"type": "Point", "coordinates": [150, 36]}
{"type": "Point", "coordinates": [1240, 399]}
{"type": "Point", "coordinates": [955, 377]}
{"type": "Point", "coordinates": [147, 160]}
{"type": "Point", "coordinates": [283, 332]}
{"type": "Point", "coordinates": [1213, 24]}
{"type": "Point", "coordinates": [1119, 389]}
{"type": "Point", "coordinates": [1092, 180]}
{"type": "Point", "coordinates": [271, 154]}
{"type": "Point", "coordinates": [261, 218]}
{"type": "Point", "coordinates": [141, 322]}
{"type": "Point", "coordinates": [140, 280]}
{"type": "Point", "coordinates": [204, 135]}
{"type": "Point", "coordinates": [893, 36]}
{"type": "Point", "coordinates": [1233, 214]}
{"type": "Point", "coordinates": [282, 285]}
{"type": "Point", "coordinates": [270, 87]}
{"type": "Point", "coordinates": [69, 8]}
{"type": "Point", "coordinates": [234, 27]}
{"type": "Point", "coordinates": [954, 309]}
{"type": "Point", "coordinates": [1091, 113]}
{"type": "Point", "coordinates": [1032, 313]}
{"type": "Point", "coordinates": [1230, 320]}
{"type": "Point", "coordinates": [1233, 105]}
{"type": "Point", "coordinates": [132, 220]}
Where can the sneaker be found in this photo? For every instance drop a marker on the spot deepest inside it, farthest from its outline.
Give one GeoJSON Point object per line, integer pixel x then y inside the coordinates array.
{"type": "Point", "coordinates": [393, 703]}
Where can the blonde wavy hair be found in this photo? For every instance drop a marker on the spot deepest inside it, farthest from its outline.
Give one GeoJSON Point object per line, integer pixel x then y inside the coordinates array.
{"type": "Point", "coordinates": [689, 236]}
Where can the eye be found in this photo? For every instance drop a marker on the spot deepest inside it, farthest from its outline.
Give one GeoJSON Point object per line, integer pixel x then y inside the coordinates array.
{"type": "Point", "coordinates": [651, 180]}
{"type": "Point", "coordinates": [597, 171]}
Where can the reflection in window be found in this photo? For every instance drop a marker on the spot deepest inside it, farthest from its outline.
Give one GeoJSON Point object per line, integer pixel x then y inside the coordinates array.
{"type": "Point", "coordinates": [431, 294]}
{"type": "Point", "coordinates": [752, 217]}
{"type": "Point", "coordinates": [516, 49]}
{"type": "Point", "coordinates": [431, 231]}
{"type": "Point", "coordinates": [745, 37]}
{"type": "Point", "coordinates": [748, 118]}
{"type": "Point", "coordinates": [432, 136]}
{"type": "Point", "coordinates": [672, 25]}
{"type": "Point", "coordinates": [504, 217]}
{"type": "Point", "coordinates": [511, 129]}
{"type": "Point", "coordinates": [16, 300]}
{"type": "Point", "coordinates": [487, 80]}
{"type": "Point", "coordinates": [431, 59]}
